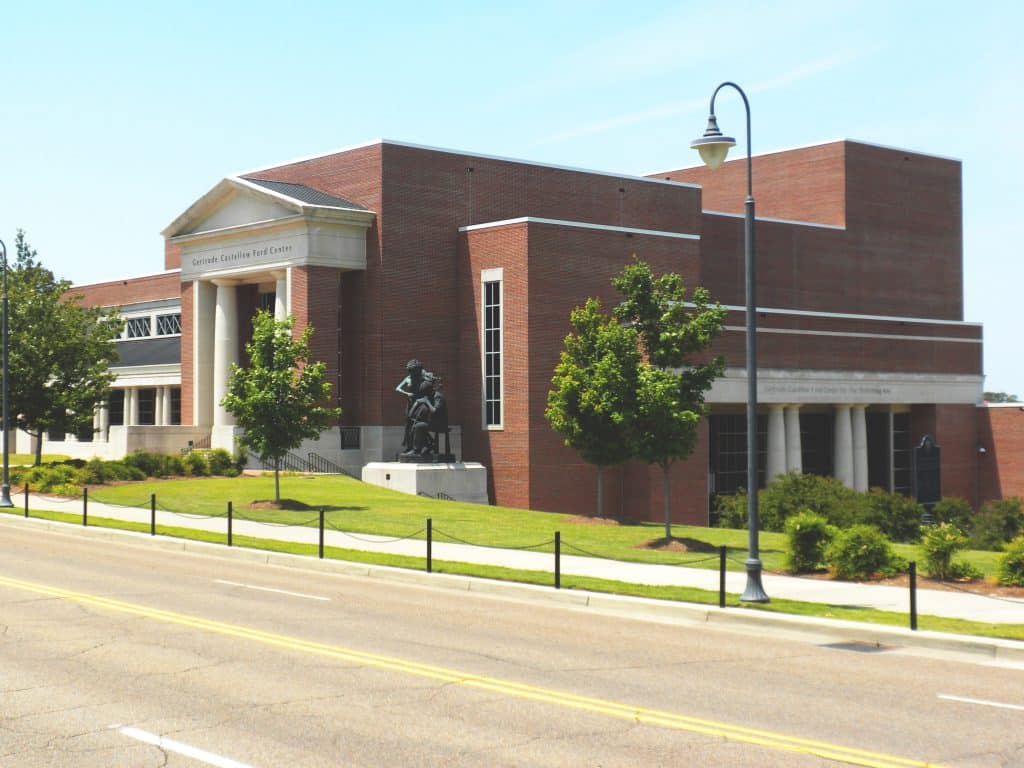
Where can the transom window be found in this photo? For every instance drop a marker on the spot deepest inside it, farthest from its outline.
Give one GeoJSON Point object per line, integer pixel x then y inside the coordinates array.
{"type": "Point", "coordinates": [138, 327]}
{"type": "Point", "coordinates": [168, 325]}
{"type": "Point", "coordinates": [142, 326]}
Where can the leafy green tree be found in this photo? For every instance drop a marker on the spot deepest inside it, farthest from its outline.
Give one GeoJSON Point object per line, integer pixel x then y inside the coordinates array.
{"type": "Point", "coordinates": [594, 390]}
{"type": "Point", "coordinates": [279, 398]}
{"type": "Point", "coordinates": [60, 351]}
{"type": "Point", "coordinates": [673, 379]}
{"type": "Point", "coordinates": [999, 397]}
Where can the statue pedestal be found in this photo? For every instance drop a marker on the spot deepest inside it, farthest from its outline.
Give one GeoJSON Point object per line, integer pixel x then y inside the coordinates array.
{"type": "Point", "coordinates": [461, 481]}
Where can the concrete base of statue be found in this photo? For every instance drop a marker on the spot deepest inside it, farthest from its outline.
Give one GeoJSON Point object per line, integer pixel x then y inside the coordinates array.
{"type": "Point", "coordinates": [460, 481]}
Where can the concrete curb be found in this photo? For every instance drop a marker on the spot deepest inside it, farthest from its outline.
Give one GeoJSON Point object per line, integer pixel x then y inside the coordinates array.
{"type": "Point", "coordinates": [819, 629]}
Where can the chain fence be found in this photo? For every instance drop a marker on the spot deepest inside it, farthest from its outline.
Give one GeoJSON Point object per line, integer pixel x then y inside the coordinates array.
{"type": "Point", "coordinates": [555, 545]}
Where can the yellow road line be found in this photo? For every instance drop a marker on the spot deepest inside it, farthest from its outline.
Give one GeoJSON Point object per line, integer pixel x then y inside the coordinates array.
{"type": "Point", "coordinates": [629, 712]}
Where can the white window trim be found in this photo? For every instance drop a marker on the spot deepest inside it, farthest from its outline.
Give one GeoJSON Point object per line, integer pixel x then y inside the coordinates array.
{"type": "Point", "coordinates": [152, 314]}
{"type": "Point", "coordinates": [494, 275]}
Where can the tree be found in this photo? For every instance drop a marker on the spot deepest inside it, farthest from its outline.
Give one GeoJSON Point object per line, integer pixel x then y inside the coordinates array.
{"type": "Point", "coordinates": [60, 351]}
{"type": "Point", "coordinates": [278, 399]}
{"type": "Point", "coordinates": [672, 382]}
{"type": "Point", "coordinates": [999, 397]}
{"type": "Point", "coordinates": [594, 390]}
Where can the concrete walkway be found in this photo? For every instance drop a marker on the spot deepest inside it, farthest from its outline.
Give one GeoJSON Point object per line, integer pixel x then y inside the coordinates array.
{"type": "Point", "coordinates": [932, 602]}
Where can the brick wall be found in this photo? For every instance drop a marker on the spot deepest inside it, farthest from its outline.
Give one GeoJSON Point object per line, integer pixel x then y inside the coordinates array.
{"type": "Point", "coordinates": [1001, 467]}
{"type": "Point", "coordinates": [117, 293]}
{"type": "Point", "coordinates": [801, 185]}
{"type": "Point", "coordinates": [903, 228]}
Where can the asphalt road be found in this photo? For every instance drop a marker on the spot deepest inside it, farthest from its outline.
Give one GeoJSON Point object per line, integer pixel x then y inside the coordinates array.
{"type": "Point", "coordinates": [124, 655]}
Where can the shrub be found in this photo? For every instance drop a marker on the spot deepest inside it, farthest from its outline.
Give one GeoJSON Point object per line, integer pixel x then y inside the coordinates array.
{"type": "Point", "coordinates": [809, 534]}
{"type": "Point", "coordinates": [938, 545]}
{"type": "Point", "coordinates": [119, 470]}
{"type": "Point", "coordinates": [956, 511]}
{"type": "Point", "coordinates": [173, 465]}
{"type": "Point", "coordinates": [997, 522]}
{"type": "Point", "coordinates": [861, 551]}
{"type": "Point", "coordinates": [221, 463]}
{"type": "Point", "coordinates": [895, 515]}
{"type": "Point", "coordinates": [52, 478]}
{"type": "Point", "coordinates": [793, 493]}
{"type": "Point", "coordinates": [148, 463]}
{"type": "Point", "coordinates": [732, 511]}
{"type": "Point", "coordinates": [196, 464]}
{"type": "Point", "coordinates": [1011, 565]}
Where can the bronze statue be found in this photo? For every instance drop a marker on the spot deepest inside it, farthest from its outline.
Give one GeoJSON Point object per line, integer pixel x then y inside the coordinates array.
{"type": "Point", "coordinates": [426, 411]}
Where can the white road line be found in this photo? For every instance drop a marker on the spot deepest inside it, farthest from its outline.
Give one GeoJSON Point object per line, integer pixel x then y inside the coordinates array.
{"type": "Point", "coordinates": [182, 749]}
{"type": "Point", "coordinates": [951, 697]}
{"type": "Point", "coordinates": [268, 589]}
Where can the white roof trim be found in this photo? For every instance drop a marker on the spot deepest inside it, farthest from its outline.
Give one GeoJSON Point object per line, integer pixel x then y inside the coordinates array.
{"type": "Point", "coordinates": [818, 144]}
{"type": "Point", "coordinates": [986, 404]}
{"type": "Point", "coordinates": [777, 221]}
{"type": "Point", "coordinates": [854, 334]}
{"type": "Point", "coordinates": [850, 316]}
{"type": "Point", "coordinates": [631, 177]}
{"type": "Point", "coordinates": [580, 225]}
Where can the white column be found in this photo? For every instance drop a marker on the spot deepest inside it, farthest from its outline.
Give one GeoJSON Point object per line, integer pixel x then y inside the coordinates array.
{"type": "Point", "coordinates": [842, 455]}
{"type": "Point", "coordinates": [204, 300]}
{"type": "Point", "coordinates": [165, 417]}
{"type": "Point", "coordinates": [860, 447]}
{"type": "Point", "coordinates": [131, 407]}
{"type": "Point", "coordinates": [280, 294]}
{"type": "Point", "coordinates": [104, 422]}
{"type": "Point", "coordinates": [775, 463]}
{"type": "Point", "coordinates": [794, 449]}
{"type": "Point", "coordinates": [158, 407]}
{"type": "Point", "coordinates": [225, 352]}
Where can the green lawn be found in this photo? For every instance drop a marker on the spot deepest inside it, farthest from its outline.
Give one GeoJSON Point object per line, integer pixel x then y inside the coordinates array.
{"type": "Point", "coordinates": [362, 508]}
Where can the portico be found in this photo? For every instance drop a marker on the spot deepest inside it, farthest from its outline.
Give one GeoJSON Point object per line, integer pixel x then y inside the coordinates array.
{"type": "Point", "coordinates": [240, 246]}
{"type": "Point", "coordinates": [861, 416]}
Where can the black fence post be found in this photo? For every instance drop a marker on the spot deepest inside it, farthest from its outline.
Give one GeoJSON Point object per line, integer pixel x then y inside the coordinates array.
{"type": "Point", "coordinates": [26, 499]}
{"type": "Point", "coordinates": [229, 523]}
{"type": "Point", "coordinates": [152, 514]}
{"type": "Point", "coordinates": [913, 594]}
{"type": "Point", "coordinates": [321, 533]}
{"type": "Point", "coordinates": [721, 576]}
{"type": "Point", "coordinates": [558, 559]}
{"type": "Point", "coordinates": [430, 545]}
{"type": "Point", "coordinates": [85, 505]}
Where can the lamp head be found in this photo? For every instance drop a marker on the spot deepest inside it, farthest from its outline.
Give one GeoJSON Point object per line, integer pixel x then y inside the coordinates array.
{"type": "Point", "coordinates": [713, 146]}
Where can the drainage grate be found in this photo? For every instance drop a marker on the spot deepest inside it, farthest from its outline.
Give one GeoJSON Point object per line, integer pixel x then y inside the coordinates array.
{"type": "Point", "coordinates": [858, 647]}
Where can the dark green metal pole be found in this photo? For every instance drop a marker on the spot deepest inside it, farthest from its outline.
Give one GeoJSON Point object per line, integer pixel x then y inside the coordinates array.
{"type": "Point", "coordinates": [5, 489]}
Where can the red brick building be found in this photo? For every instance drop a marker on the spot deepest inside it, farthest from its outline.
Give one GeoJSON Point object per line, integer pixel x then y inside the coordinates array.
{"type": "Point", "coordinates": [473, 263]}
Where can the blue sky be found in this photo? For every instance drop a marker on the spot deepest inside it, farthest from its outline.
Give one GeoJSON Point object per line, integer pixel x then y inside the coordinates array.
{"type": "Point", "coordinates": [117, 116]}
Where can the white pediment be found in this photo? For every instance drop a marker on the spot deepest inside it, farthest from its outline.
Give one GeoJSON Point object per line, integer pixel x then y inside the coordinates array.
{"type": "Point", "coordinates": [241, 226]}
{"type": "Point", "coordinates": [240, 207]}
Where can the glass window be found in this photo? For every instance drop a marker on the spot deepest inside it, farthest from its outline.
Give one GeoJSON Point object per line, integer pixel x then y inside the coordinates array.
{"type": "Point", "coordinates": [138, 327]}
{"type": "Point", "coordinates": [266, 301]}
{"type": "Point", "coordinates": [168, 325]}
{"type": "Point", "coordinates": [116, 407]}
{"type": "Point", "coordinates": [147, 405]}
{"type": "Point", "coordinates": [728, 454]}
{"type": "Point", "coordinates": [175, 405]}
{"type": "Point", "coordinates": [492, 352]}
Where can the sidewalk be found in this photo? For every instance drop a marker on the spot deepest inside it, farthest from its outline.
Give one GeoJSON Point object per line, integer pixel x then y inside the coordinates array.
{"type": "Point", "coordinates": [931, 602]}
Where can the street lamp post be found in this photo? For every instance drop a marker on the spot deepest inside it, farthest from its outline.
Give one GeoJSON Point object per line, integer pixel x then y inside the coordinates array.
{"type": "Point", "coordinates": [713, 148]}
{"type": "Point", "coordinates": [5, 489]}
